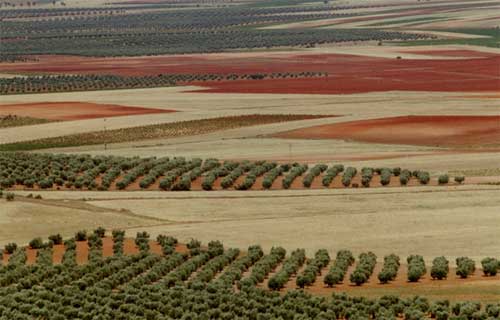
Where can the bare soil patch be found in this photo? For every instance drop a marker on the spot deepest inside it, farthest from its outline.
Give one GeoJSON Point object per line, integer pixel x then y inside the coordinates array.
{"type": "Point", "coordinates": [73, 110]}
{"type": "Point", "coordinates": [448, 131]}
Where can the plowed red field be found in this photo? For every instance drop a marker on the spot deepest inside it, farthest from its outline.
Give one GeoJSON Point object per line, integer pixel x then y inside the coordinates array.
{"type": "Point", "coordinates": [346, 73]}
{"type": "Point", "coordinates": [73, 110]}
{"type": "Point", "coordinates": [414, 130]}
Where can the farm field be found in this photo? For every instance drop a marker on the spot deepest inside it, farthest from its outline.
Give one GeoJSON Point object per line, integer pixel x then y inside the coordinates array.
{"type": "Point", "coordinates": [464, 131]}
{"type": "Point", "coordinates": [250, 159]}
{"type": "Point", "coordinates": [65, 111]}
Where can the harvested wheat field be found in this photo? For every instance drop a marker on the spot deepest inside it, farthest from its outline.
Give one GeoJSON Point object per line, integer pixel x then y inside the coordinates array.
{"type": "Point", "coordinates": [72, 110]}
{"type": "Point", "coordinates": [443, 131]}
{"type": "Point", "coordinates": [431, 221]}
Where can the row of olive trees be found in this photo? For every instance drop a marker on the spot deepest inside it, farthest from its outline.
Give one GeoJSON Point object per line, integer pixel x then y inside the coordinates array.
{"type": "Point", "coordinates": [364, 268]}
{"type": "Point", "coordinates": [68, 83]}
{"type": "Point", "coordinates": [337, 272]}
{"type": "Point", "coordinates": [263, 267]}
{"type": "Point", "coordinates": [390, 268]}
{"type": "Point", "coordinates": [178, 173]}
{"type": "Point", "coordinates": [289, 268]}
{"type": "Point", "coordinates": [313, 268]}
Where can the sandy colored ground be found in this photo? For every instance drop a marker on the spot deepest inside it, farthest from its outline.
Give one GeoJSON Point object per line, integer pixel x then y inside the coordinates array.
{"type": "Point", "coordinates": [69, 110]}
{"type": "Point", "coordinates": [431, 221]}
{"type": "Point", "coordinates": [65, 217]}
{"type": "Point", "coordinates": [8, 75]}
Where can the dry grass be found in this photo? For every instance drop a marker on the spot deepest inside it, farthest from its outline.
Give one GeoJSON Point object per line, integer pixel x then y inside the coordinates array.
{"type": "Point", "coordinates": [431, 221]}
{"type": "Point", "coordinates": [16, 121]}
{"type": "Point", "coordinates": [22, 219]}
{"type": "Point", "coordinates": [428, 223]}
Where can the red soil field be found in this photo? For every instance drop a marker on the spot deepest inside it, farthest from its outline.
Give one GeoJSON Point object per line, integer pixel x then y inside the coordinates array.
{"type": "Point", "coordinates": [451, 131]}
{"type": "Point", "coordinates": [346, 73]}
{"type": "Point", "coordinates": [350, 74]}
{"type": "Point", "coordinates": [73, 110]}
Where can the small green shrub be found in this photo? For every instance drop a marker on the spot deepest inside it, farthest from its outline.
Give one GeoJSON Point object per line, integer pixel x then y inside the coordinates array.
{"type": "Point", "coordinates": [100, 231]}
{"type": "Point", "coordinates": [81, 235]}
{"type": "Point", "coordinates": [440, 268]}
{"type": "Point", "coordinates": [459, 179]}
{"type": "Point", "coordinates": [416, 267]}
{"type": "Point", "coordinates": [490, 266]}
{"type": "Point", "coordinates": [56, 239]}
{"type": "Point", "coordinates": [465, 267]}
{"type": "Point", "coordinates": [36, 243]}
{"type": "Point", "coordinates": [443, 179]}
{"type": "Point", "coordinates": [10, 247]}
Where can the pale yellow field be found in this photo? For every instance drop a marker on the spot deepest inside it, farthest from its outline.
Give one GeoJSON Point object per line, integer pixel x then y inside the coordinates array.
{"type": "Point", "coordinates": [22, 220]}
{"type": "Point", "coordinates": [431, 221]}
